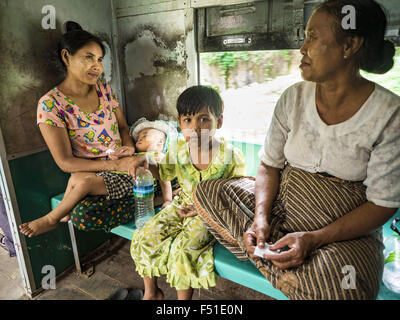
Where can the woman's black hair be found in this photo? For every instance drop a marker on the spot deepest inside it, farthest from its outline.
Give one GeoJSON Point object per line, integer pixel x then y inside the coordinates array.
{"type": "Point", "coordinates": [193, 99]}
{"type": "Point", "coordinates": [376, 54]}
{"type": "Point", "coordinates": [74, 39]}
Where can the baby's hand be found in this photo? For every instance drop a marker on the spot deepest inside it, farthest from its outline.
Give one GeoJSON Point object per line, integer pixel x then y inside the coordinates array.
{"type": "Point", "coordinates": [166, 203]}
{"type": "Point", "coordinates": [122, 152]}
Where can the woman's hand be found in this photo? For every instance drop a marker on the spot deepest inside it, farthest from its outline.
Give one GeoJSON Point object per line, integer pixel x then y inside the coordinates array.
{"type": "Point", "coordinates": [188, 211]}
{"type": "Point", "coordinates": [130, 164]}
{"type": "Point", "coordinates": [122, 152]}
{"type": "Point", "coordinates": [166, 203]}
{"type": "Point", "coordinates": [301, 244]}
{"type": "Point", "coordinates": [257, 234]}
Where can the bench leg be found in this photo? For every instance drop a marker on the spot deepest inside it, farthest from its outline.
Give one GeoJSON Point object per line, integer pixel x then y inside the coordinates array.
{"type": "Point", "coordinates": [74, 247]}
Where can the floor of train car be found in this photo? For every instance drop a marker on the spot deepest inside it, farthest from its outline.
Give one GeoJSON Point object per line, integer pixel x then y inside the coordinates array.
{"type": "Point", "coordinates": [11, 287]}
{"type": "Point", "coordinates": [116, 270]}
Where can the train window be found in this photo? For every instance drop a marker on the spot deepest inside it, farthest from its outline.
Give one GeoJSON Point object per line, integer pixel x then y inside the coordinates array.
{"type": "Point", "coordinates": [251, 82]}
{"type": "Point", "coordinates": [390, 80]}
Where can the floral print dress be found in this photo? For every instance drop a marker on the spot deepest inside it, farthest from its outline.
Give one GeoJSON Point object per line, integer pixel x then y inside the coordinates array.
{"type": "Point", "coordinates": [181, 247]}
{"type": "Point", "coordinates": [91, 133]}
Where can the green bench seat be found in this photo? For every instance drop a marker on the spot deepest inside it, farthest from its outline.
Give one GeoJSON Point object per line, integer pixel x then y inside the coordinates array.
{"type": "Point", "coordinates": [242, 272]}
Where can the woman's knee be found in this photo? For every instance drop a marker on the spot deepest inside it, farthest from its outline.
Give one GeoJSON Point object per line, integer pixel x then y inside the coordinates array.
{"type": "Point", "coordinates": [220, 192]}
{"type": "Point", "coordinates": [80, 177]}
{"type": "Point", "coordinates": [88, 183]}
{"type": "Point", "coordinates": [208, 193]}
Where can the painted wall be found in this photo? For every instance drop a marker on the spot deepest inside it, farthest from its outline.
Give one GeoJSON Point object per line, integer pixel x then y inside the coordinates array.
{"type": "Point", "coordinates": [156, 60]}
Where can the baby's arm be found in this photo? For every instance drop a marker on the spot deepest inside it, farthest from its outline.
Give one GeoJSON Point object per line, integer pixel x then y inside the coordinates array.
{"type": "Point", "coordinates": [166, 188]}
{"type": "Point", "coordinates": [124, 151]}
{"type": "Point", "coordinates": [165, 174]}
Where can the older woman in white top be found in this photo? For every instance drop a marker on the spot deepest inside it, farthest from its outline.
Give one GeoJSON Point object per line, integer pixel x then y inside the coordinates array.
{"type": "Point", "coordinates": [329, 176]}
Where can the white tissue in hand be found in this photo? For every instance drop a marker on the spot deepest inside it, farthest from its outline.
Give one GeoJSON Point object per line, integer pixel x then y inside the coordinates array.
{"type": "Point", "coordinates": [261, 251]}
{"type": "Point", "coordinates": [109, 151]}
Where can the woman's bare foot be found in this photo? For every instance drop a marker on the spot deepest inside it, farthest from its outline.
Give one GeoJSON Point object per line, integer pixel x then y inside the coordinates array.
{"type": "Point", "coordinates": [66, 218]}
{"type": "Point", "coordinates": [159, 295]}
{"type": "Point", "coordinates": [38, 226]}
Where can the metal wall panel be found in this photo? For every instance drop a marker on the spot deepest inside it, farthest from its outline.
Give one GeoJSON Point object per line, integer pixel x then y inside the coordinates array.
{"type": "Point", "coordinates": [236, 19]}
{"type": "Point", "coordinates": [214, 3]}
{"type": "Point", "coordinates": [157, 62]}
{"type": "Point", "coordinates": [261, 25]}
{"type": "Point", "coordinates": [128, 8]}
{"type": "Point", "coordinates": [392, 10]}
{"type": "Point", "coordinates": [282, 27]}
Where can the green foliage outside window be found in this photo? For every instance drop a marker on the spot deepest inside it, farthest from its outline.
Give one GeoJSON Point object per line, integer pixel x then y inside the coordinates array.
{"type": "Point", "coordinates": [389, 80]}
{"type": "Point", "coordinates": [227, 61]}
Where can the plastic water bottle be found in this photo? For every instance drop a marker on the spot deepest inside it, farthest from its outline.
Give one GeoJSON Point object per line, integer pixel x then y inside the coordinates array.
{"type": "Point", "coordinates": [391, 271]}
{"type": "Point", "coordinates": [143, 191]}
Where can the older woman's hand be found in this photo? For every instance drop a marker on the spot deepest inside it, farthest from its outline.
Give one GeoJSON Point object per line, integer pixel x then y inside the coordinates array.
{"type": "Point", "coordinates": [257, 234]}
{"type": "Point", "coordinates": [301, 244]}
{"type": "Point", "coordinates": [188, 211]}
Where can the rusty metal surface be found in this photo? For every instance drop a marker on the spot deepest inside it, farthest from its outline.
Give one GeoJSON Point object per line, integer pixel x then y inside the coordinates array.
{"type": "Point", "coordinates": [237, 19]}
{"type": "Point", "coordinates": [264, 25]}
{"type": "Point", "coordinates": [153, 63]}
{"type": "Point", "coordinates": [131, 8]}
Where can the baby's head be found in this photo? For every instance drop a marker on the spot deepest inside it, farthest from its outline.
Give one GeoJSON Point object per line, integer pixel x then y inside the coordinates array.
{"type": "Point", "coordinates": [200, 113]}
{"type": "Point", "coordinates": [150, 135]}
{"type": "Point", "coordinates": [150, 140]}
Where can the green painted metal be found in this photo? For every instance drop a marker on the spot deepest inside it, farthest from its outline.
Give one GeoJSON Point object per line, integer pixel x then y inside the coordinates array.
{"type": "Point", "coordinates": [125, 230]}
{"type": "Point", "coordinates": [250, 152]}
{"type": "Point", "coordinates": [36, 180]}
{"type": "Point", "coordinates": [243, 272]}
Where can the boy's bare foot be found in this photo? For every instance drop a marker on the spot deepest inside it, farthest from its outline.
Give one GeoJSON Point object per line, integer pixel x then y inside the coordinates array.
{"type": "Point", "coordinates": [38, 226]}
{"type": "Point", "coordinates": [66, 218]}
{"type": "Point", "coordinates": [159, 295]}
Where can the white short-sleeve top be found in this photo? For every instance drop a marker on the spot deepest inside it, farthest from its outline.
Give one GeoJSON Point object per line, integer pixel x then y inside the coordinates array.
{"type": "Point", "coordinates": [365, 147]}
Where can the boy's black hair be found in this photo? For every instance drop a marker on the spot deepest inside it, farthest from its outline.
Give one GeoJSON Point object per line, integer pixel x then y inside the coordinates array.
{"type": "Point", "coordinates": [193, 99]}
